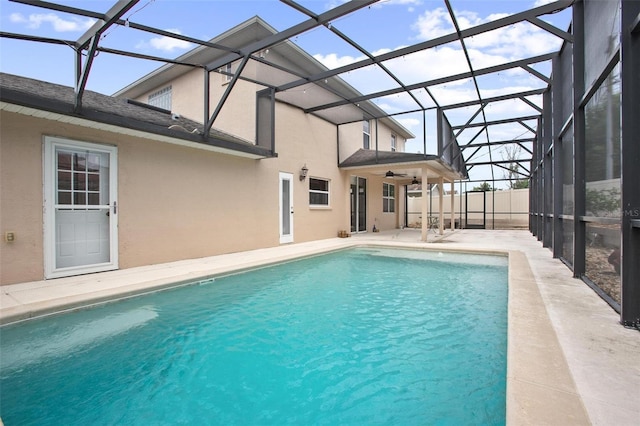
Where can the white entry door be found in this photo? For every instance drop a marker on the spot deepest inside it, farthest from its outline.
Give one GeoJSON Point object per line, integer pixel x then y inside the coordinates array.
{"type": "Point", "coordinates": [80, 207]}
{"type": "Point", "coordinates": [286, 208]}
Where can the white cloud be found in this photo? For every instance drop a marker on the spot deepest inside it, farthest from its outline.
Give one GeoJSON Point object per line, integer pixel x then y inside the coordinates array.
{"type": "Point", "coordinates": [332, 60]}
{"type": "Point", "coordinates": [59, 25]}
{"type": "Point", "coordinates": [410, 3]}
{"type": "Point", "coordinates": [513, 41]}
{"type": "Point", "coordinates": [166, 44]}
{"type": "Point", "coordinates": [410, 122]}
{"type": "Point", "coordinates": [433, 24]}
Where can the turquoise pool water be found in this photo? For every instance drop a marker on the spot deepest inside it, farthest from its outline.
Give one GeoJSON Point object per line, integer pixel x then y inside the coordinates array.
{"type": "Point", "coordinates": [357, 337]}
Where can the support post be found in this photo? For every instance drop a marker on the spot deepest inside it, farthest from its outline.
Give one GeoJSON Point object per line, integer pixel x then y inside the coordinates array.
{"type": "Point", "coordinates": [579, 241]}
{"type": "Point", "coordinates": [558, 156]}
{"type": "Point", "coordinates": [453, 206]}
{"type": "Point", "coordinates": [441, 205]}
{"type": "Point", "coordinates": [630, 53]}
{"type": "Point", "coordinates": [424, 204]}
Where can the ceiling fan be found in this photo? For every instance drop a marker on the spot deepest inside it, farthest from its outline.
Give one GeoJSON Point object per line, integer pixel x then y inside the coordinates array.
{"type": "Point", "coordinates": [391, 174]}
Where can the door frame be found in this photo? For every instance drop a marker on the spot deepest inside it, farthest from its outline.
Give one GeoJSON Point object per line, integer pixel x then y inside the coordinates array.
{"type": "Point", "coordinates": [51, 143]}
{"type": "Point", "coordinates": [468, 212]}
{"type": "Point", "coordinates": [285, 238]}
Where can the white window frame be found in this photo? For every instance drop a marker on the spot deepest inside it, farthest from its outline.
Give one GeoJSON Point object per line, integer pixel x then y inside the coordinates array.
{"type": "Point", "coordinates": [317, 191]}
{"type": "Point", "coordinates": [388, 200]}
{"type": "Point", "coordinates": [393, 143]}
{"type": "Point", "coordinates": [366, 134]}
{"type": "Point", "coordinates": [161, 98]}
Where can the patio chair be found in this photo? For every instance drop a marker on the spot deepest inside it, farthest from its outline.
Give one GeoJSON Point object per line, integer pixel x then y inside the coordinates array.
{"type": "Point", "coordinates": [434, 223]}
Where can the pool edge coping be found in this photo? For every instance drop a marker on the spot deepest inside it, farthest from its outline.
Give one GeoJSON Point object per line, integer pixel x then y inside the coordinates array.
{"type": "Point", "coordinates": [540, 385]}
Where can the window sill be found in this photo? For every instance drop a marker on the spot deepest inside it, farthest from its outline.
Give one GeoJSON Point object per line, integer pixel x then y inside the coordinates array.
{"type": "Point", "coordinates": [320, 208]}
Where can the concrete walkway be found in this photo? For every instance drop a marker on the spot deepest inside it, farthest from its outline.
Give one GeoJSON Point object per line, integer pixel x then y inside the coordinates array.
{"type": "Point", "coordinates": [570, 361]}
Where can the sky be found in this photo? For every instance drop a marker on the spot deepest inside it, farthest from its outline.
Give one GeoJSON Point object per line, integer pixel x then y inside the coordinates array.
{"type": "Point", "coordinates": [379, 28]}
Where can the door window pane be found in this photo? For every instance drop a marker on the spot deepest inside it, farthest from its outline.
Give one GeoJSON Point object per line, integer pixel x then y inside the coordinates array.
{"type": "Point", "coordinates": [64, 181]}
{"type": "Point", "coordinates": [64, 197]}
{"type": "Point", "coordinates": [286, 213]}
{"type": "Point", "coordinates": [94, 182]}
{"type": "Point", "coordinates": [93, 163]}
{"type": "Point", "coordinates": [64, 161]}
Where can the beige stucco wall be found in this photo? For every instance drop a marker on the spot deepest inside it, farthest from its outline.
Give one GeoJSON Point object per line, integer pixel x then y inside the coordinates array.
{"type": "Point", "coordinates": [351, 138]}
{"type": "Point", "coordinates": [236, 117]}
{"type": "Point", "coordinates": [238, 113]}
{"type": "Point", "coordinates": [20, 199]}
{"type": "Point", "coordinates": [382, 220]}
{"type": "Point", "coordinates": [174, 202]}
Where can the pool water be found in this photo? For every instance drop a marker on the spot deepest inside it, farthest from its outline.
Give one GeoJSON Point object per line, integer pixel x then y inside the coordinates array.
{"type": "Point", "coordinates": [356, 337]}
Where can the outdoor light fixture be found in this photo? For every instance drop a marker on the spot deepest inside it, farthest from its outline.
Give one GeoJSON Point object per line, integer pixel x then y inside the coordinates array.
{"type": "Point", "coordinates": [303, 172]}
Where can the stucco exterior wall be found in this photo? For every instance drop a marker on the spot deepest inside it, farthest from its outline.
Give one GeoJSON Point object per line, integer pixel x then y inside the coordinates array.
{"type": "Point", "coordinates": [174, 202]}
{"type": "Point", "coordinates": [21, 198]}
{"type": "Point", "coordinates": [236, 117]}
{"type": "Point", "coordinates": [351, 138]}
{"type": "Point", "coordinates": [384, 138]}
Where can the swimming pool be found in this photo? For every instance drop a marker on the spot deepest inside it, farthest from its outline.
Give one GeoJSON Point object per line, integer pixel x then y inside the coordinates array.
{"type": "Point", "coordinates": [364, 336]}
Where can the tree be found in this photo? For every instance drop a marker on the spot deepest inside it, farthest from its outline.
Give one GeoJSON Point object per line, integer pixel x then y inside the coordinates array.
{"type": "Point", "coordinates": [483, 187]}
{"type": "Point", "coordinates": [513, 174]}
{"type": "Point", "coordinates": [519, 184]}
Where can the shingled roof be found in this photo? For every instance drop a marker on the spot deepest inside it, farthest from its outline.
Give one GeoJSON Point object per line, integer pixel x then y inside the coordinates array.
{"type": "Point", "coordinates": [121, 113]}
{"type": "Point", "coordinates": [368, 157]}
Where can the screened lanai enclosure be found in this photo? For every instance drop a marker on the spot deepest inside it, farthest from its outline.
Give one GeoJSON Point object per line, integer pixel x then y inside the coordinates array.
{"type": "Point", "coordinates": [584, 181]}
{"type": "Point", "coordinates": [568, 132]}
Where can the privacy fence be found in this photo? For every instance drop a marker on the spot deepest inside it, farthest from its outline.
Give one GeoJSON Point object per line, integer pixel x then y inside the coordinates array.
{"type": "Point", "coordinates": [508, 209]}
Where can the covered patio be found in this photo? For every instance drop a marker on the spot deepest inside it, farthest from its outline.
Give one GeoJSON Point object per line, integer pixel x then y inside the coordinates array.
{"type": "Point", "coordinates": [407, 169]}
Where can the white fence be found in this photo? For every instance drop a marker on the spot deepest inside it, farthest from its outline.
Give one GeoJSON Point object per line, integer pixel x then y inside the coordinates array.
{"type": "Point", "coordinates": [506, 209]}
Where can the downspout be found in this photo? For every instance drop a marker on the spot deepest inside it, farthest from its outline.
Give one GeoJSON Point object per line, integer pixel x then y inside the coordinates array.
{"type": "Point", "coordinates": [338, 144]}
{"type": "Point", "coordinates": [207, 94]}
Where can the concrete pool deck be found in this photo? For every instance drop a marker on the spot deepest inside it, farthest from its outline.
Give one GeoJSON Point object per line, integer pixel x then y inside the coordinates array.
{"type": "Point", "coordinates": [569, 359]}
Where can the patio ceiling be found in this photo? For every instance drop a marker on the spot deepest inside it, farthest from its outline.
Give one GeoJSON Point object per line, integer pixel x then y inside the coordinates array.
{"type": "Point", "coordinates": [335, 95]}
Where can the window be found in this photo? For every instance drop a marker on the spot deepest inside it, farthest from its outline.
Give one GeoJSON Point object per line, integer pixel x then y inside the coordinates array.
{"type": "Point", "coordinates": [366, 134]}
{"type": "Point", "coordinates": [79, 178]}
{"type": "Point", "coordinates": [393, 142]}
{"type": "Point", "coordinates": [318, 192]}
{"type": "Point", "coordinates": [161, 98]}
{"type": "Point", "coordinates": [388, 198]}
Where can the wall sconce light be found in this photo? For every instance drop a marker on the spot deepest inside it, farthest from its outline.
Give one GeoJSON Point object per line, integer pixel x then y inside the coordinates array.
{"type": "Point", "coordinates": [303, 172]}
